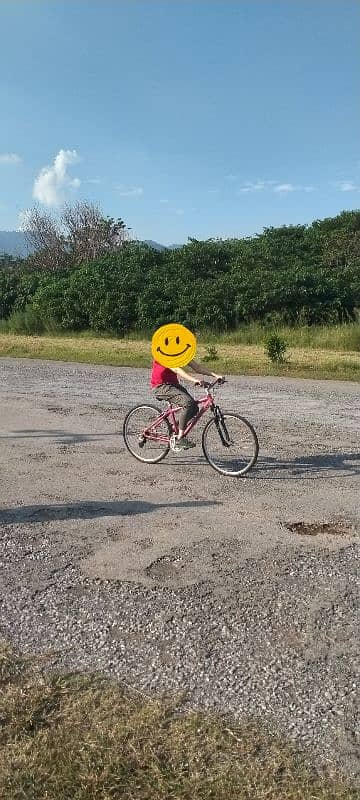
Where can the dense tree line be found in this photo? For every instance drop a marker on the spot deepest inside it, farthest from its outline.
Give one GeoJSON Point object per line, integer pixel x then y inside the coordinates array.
{"type": "Point", "coordinates": [292, 274]}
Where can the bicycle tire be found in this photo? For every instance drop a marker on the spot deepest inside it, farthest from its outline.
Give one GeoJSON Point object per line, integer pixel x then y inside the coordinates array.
{"type": "Point", "coordinates": [135, 453]}
{"type": "Point", "coordinates": [252, 461]}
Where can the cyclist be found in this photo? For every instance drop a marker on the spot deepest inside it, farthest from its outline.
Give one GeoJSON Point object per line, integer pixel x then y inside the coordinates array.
{"type": "Point", "coordinates": [166, 386]}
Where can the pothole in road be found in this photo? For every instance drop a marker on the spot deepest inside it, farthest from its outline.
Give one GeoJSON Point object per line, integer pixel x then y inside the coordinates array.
{"type": "Point", "coordinates": [166, 567]}
{"type": "Point", "coordinates": [320, 528]}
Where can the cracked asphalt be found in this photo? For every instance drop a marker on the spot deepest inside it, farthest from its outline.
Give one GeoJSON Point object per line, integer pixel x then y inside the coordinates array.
{"type": "Point", "coordinates": [174, 578]}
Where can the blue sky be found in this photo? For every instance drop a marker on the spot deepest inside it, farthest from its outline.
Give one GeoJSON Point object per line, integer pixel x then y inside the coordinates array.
{"type": "Point", "coordinates": [186, 118]}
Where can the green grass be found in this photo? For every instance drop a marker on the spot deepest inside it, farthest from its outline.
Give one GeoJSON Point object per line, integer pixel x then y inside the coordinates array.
{"type": "Point", "coordinates": [323, 337]}
{"type": "Point", "coordinates": [341, 337]}
{"type": "Point", "coordinates": [77, 737]}
{"type": "Point", "coordinates": [233, 359]}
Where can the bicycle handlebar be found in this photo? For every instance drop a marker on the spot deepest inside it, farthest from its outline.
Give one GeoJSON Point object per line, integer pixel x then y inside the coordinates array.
{"type": "Point", "coordinates": [207, 385]}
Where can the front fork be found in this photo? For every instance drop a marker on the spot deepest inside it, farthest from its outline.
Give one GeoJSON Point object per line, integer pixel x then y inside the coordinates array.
{"type": "Point", "coordinates": [221, 426]}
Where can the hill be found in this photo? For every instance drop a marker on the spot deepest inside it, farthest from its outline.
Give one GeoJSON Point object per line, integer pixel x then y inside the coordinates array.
{"type": "Point", "coordinates": [13, 243]}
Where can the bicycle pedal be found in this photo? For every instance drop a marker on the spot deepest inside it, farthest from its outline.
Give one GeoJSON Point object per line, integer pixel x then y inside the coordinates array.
{"type": "Point", "coordinates": [141, 441]}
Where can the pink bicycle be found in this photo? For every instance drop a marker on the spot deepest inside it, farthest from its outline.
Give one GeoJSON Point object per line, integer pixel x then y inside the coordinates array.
{"type": "Point", "coordinates": [229, 442]}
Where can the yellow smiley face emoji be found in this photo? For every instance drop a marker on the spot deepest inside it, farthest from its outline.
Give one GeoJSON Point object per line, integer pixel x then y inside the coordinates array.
{"type": "Point", "coordinates": [173, 345]}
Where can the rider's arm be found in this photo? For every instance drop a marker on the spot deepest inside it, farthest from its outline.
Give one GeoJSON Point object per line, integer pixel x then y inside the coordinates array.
{"type": "Point", "coordinates": [201, 370]}
{"type": "Point", "coordinates": [185, 375]}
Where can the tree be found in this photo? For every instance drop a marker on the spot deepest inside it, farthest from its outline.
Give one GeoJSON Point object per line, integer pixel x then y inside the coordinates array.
{"type": "Point", "coordinates": [8, 292]}
{"type": "Point", "coordinates": [90, 234]}
{"type": "Point", "coordinates": [81, 233]}
{"type": "Point", "coordinates": [293, 274]}
{"type": "Point", "coordinates": [44, 235]}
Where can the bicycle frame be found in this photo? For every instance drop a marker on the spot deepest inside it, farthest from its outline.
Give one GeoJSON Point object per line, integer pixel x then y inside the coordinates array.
{"type": "Point", "coordinates": [205, 403]}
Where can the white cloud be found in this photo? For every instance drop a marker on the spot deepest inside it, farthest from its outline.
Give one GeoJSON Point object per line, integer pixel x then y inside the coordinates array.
{"type": "Point", "coordinates": [53, 183]}
{"type": "Point", "coordinates": [253, 186]}
{"type": "Point", "coordinates": [347, 186]}
{"type": "Point", "coordinates": [164, 200]}
{"type": "Point", "coordinates": [284, 188]}
{"type": "Point", "coordinates": [136, 191]}
{"type": "Point", "coordinates": [9, 158]}
{"type": "Point", "coordinates": [280, 188]}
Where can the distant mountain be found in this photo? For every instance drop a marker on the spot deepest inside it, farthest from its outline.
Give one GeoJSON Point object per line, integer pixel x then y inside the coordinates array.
{"type": "Point", "coordinates": [14, 244]}
{"type": "Point", "coordinates": [154, 245]}
{"type": "Point", "coordinates": [157, 246]}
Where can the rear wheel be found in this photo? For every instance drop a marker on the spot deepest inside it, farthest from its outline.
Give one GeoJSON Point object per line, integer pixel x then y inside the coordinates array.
{"type": "Point", "coordinates": [230, 444]}
{"type": "Point", "coordinates": [144, 439]}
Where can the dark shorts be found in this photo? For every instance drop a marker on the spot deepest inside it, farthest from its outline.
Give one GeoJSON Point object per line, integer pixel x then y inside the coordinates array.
{"type": "Point", "coordinates": [177, 395]}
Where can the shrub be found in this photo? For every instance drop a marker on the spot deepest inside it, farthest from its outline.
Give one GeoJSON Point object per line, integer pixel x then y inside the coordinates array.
{"type": "Point", "coordinates": [211, 353]}
{"type": "Point", "coordinates": [275, 347]}
{"type": "Point", "coordinates": [61, 301]}
{"type": "Point", "coordinates": [27, 321]}
{"type": "Point", "coordinates": [28, 283]}
{"type": "Point", "coordinates": [8, 292]}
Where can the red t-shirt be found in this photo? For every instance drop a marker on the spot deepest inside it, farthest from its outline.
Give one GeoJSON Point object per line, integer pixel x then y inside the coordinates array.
{"type": "Point", "coordinates": [161, 374]}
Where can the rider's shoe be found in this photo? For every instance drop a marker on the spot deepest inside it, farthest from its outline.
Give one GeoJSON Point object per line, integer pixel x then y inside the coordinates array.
{"type": "Point", "coordinates": [177, 445]}
{"type": "Point", "coordinates": [141, 441]}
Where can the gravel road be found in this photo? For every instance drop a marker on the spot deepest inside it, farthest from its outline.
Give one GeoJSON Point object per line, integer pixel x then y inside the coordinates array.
{"type": "Point", "coordinates": [172, 577]}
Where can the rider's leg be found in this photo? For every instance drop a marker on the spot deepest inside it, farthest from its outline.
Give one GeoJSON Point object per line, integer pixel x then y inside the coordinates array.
{"type": "Point", "coordinates": [179, 396]}
{"type": "Point", "coordinates": [190, 408]}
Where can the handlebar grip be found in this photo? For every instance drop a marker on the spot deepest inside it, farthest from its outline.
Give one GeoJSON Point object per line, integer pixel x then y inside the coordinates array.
{"type": "Point", "coordinates": [207, 384]}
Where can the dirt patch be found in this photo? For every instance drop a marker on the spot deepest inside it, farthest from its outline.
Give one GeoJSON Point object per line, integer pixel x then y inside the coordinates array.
{"type": "Point", "coordinates": [37, 456]}
{"type": "Point", "coordinates": [320, 528]}
{"type": "Point", "coordinates": [59, 410]}
{"type": "Point", "coordinates": [144, 544]}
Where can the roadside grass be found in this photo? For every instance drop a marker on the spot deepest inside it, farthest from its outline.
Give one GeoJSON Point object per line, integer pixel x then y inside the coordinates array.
{"type": "Point", "coordinates": [344, 336]}
{"type": "Point", "coordinates": [83, 737]}
{"type": "Point", "coordinates": [233, 359]}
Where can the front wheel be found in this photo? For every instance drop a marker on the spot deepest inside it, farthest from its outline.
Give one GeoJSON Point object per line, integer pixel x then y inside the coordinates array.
{"type": "Point", "coordinates": [230, 444]}
{"type": "Point", "coordinates": [147, 439]}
